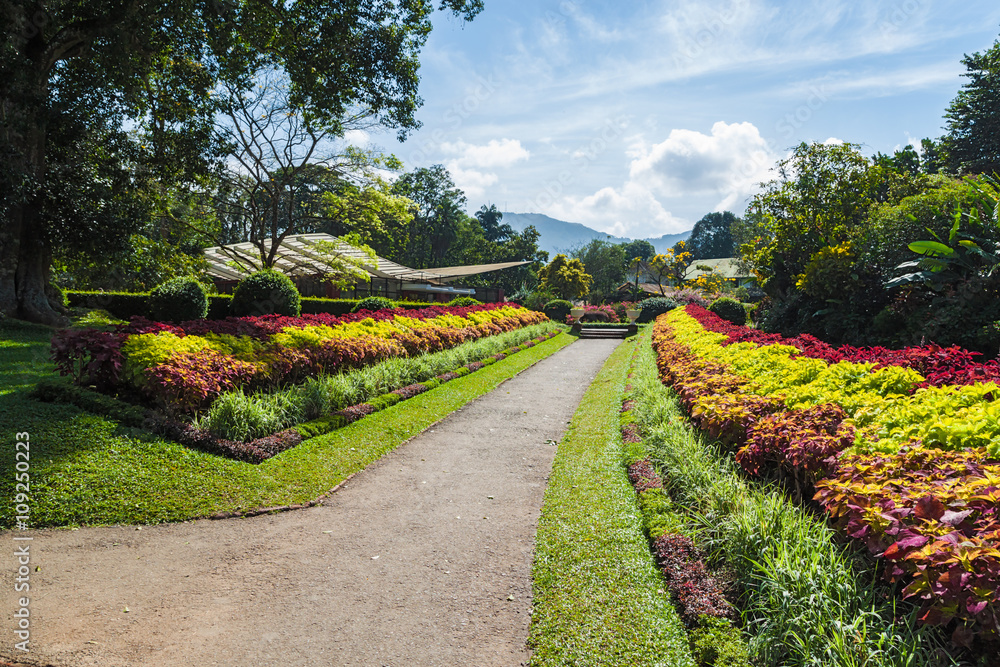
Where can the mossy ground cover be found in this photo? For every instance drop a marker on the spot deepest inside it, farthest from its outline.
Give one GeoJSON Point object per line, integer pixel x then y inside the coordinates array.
{"type": "Point", "coordinates": [91, 470]}
{"type": "Point", "coordinates": [598, 597]}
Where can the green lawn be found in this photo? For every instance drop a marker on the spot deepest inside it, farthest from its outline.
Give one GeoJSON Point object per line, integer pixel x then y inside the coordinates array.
{"type": "Point", "coordinates": [90, 470]}
{"type": "Point", "coordinates": [598, 596]}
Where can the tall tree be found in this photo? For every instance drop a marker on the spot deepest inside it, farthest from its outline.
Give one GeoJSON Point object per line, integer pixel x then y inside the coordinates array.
{"type": "Point", "coordinates": [440, 210]}
{"type": "Point", "coordinates": [973, 128]}
{"type": "Point", "coordinates": [491, 220]}
{"type": "Point", "coordinates": [712, 236]}
{"type": "Point", "coordinates": [565, 277]}
{"type": "Point", "coordinates": [640, 248]}
{"type": "Point", "coordinates": [606, 264]}
{"type": "Point", "coordinates": [284, 168]}
{"type": "Point", "coordinates": [75, 74]}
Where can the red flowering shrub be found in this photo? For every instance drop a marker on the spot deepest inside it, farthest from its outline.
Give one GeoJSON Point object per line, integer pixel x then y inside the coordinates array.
{"type": "Point", "coordinates": [643, 476]}
{"type": "Point", "coordinates": [190, 381]}
{"type": "Point", "coordinates": [89, 356]}
{"type": "Point", "coordinates": [697, 592]}
{"type": "Point", "coordinates": [807, 440]}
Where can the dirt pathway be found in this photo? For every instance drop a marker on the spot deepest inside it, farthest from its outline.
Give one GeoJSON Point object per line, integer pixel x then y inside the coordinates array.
{"type": "Point", "coordinates": [422, 559]}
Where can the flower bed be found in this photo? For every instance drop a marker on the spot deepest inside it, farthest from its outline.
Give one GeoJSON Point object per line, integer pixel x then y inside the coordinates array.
{"type": "Point", "coordinates": [900, 458]}
{"type": "Point", "coordinates": [182, 368]}
{"type": "Point", "coordinates": [260, 449]}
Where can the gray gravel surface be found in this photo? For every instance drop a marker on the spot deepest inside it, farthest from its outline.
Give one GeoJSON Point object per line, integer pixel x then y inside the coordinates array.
{"type": "Point", "coordinates": [424, 558]}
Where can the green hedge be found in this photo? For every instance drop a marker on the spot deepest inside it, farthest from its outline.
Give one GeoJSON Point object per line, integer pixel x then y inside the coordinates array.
{"type": "Point", "coordinates": [124, 305]}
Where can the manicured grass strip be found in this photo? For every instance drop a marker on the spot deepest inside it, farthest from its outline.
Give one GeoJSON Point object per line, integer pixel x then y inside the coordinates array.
{"type": "Point", "coordinates": [598, 597]}
{"type": "Point", "coordinates": [807, 600]}
{"type": "Point", "coordinates": [89, 470]}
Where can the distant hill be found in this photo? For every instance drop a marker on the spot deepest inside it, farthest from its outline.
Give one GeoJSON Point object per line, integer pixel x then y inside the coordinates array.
{"type": "Point", "coordinates": [561, 236]}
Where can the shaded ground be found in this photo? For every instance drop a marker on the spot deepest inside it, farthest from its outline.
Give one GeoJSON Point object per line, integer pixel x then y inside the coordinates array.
{"type": "Point", "coordinates": [422, 559]}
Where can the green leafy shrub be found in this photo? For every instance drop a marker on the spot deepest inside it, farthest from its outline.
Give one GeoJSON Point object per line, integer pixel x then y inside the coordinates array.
{"type": "Point", "coordinates": [264, 293]}
{"type": "Point", "coordinates": [218, 306]}
{"type": "Point", "coordinates": [741, 294]}
{"type": "Point", "coordinates": [537, 300]}
{"type": "Point", "coordinates": [730, 310]}
{"type": "Point", "coordinates": [716, 643]}
{"type": "Point", "coordinates": [463, 302]}
{"type": "Point", "coordinates": [653, 308]}
{"type": "Point", "coordinates": [178, 300]}
{"type": "Point", "coordinates": [374, 303]}
{"type": "Point", "coordinates": [557, 309]}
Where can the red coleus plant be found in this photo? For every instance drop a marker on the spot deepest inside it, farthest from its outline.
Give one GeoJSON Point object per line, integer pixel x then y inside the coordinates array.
{"type": "Point", "coordinates": [807, 440]}
{"type": "Point", "coordinates": [643, 476]}
{"type": "Point", "coordinates": [697, 592]}
{"type": "Point", "coordinates": [940, 366]}
{"type": "Point", "coordinates": [89, 356]}
{"type": "Point", "coordinates": [190, 380]}
{"type": "Point", "coordinates": [935, 516]}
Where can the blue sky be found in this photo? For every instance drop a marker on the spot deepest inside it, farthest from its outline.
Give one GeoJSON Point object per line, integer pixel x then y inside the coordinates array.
{"type": "Point", "coordinates": [637, 118]}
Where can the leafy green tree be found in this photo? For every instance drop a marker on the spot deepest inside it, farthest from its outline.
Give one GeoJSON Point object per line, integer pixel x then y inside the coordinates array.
{"type": "Point", "coordinates": [606, 264]}
{"type": "Point", "coordinates": [437, 218]}
{"type": "Point", "coordinates": [712, 236]}
{"type": "Point", "coordinates": [972, 141]}
{"type": "Point", "coordinates": [77, 74]}
{"type": "Point", "coordinates": [566, 277]}
{"type": "Point", "coordinates": [821, 198]}
{"type": "Point", "coordinates": [640, 248]}
{"type": "Point", "coordinates": [491, 220]}
{"type": "Point", "coordinates": [933, 159]}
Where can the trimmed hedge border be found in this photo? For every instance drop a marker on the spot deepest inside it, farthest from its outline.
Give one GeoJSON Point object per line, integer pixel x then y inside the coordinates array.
{"type": "Point", "coordinates": [258, 450]}
{"type": "Point", "coordinates": [125, 305]}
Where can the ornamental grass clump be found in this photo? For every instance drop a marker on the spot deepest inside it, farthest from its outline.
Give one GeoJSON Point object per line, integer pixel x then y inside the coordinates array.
{"type": "Point", "coordinates": [244, 417]}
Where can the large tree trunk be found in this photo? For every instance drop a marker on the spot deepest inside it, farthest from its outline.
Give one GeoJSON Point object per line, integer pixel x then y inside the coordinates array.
{"type": "Point", "coordinates": [32, 275]}
{"type": "Point", "coordinates": [10, 244]}
{"type": "Point", "coordinates": [25, 251]}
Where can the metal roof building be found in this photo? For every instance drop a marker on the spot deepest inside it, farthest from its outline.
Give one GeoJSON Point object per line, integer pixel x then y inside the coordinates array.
{"type": "Point", "coordinates": [305, 257]}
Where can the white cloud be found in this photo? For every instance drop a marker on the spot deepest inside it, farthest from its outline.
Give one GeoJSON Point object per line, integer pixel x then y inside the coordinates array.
{"type": "Point", "coordinates": [630, 211]}
{"type": "Point", "coordinates": [496, 153]}
{"type": "Point", "coordinates": [472, 164]}
{"type": "Point", "coordinates": [729, 162]}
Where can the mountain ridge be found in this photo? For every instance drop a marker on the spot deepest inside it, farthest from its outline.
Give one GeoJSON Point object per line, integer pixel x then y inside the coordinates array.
{"type": "Point", "coordinates": [560, 236]}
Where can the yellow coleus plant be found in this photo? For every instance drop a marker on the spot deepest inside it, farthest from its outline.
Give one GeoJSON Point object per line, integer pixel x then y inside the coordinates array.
{"type": "Point", "coordinates": [878, 401]}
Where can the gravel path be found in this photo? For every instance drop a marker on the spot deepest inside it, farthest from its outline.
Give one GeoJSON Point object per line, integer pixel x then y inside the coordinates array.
{"type": "Point", "coordinates": [422, 559]}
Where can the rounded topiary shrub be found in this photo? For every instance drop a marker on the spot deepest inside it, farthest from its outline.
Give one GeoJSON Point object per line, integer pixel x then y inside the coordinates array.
{"type": "Point", "coordinates": [654, 307]}
{"type": "Point", "coordinates": [374, 303]}
{"type": "Point", "coordinates": [557, 309]}
{"type": "Point", "coordinates": [463, 302]}
{"type": "Point", "coordinates": [178, 300]}
{"type": "Point", "coordinates": [264, 293]}
{"type": "Point", "coordinates": [730, 310]}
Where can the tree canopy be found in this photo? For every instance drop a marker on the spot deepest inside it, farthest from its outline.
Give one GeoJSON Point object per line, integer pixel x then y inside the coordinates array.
{"type": "Point", "coordinates": [565, 277]}
{"type": "Point", "coordinates": [99, 97]}
{"type": "Point", "coordinates": [712, 236]}
{"type": "Point", "coordinates": [972, 141]}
